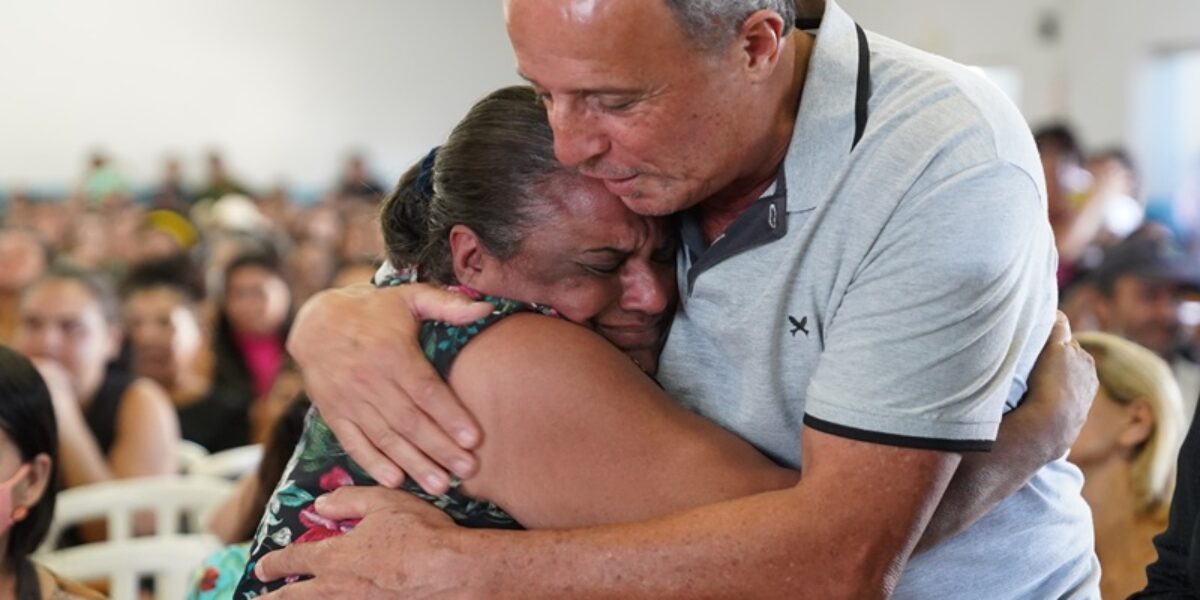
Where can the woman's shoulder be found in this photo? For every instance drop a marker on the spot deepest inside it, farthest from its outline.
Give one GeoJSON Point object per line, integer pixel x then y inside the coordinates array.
{"type": "Point", "coordinates": [442, 342]}
{"type": "Point", "coordinates": [54, 587]}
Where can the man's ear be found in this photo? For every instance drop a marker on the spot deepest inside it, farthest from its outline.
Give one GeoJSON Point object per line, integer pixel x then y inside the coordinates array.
{"type": "Point", "coordinates": [468, 256]}
{"type": "Point", "coordinates": [761, 42]}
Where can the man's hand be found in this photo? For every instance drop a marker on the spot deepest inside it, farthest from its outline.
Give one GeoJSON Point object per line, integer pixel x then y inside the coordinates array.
{"type": "Point", "coordinates": [402, 548]}
{"type": "Point", "coordinates": [363, 368]}
{"type": "Point", "coordinates": [1061, 389]}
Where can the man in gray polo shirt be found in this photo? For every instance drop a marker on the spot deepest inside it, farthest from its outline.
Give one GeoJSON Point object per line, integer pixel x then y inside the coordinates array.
{"type": "Point", "coordinates": [875, 266]}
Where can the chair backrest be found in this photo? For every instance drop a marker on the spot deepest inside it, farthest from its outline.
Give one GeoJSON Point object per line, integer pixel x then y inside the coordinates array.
{"type": "Point", "coordinates": [229, 464]}
{"type": "Point", "coordinates": [171, 561]}
{"type": "Point", "coordinates": [189, 454]}
{"type": "Point", "coordinates": [172, 499]}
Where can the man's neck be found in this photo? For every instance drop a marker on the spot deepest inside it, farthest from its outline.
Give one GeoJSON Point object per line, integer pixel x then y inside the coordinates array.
{"type": "Point", "coordinates": [766, 157]}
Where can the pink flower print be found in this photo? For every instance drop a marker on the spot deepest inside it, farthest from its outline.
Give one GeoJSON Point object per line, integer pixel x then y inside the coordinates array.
{"type": "Point", "coordinates": [335, 478]}
{"type": "Point", "coordinates": [319, 528]}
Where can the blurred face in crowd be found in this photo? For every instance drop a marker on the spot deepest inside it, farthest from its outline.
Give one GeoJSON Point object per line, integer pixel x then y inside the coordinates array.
{"type": "Point", "coordinates": [163, 332]}
{"type": "Point", "coordinates": [593, 260]}
{"type": "Point", "coordinates": [309, 269]}
{"type": "Point", "coordinates": [636, 104]}
{"type": "Point", "coordinates": [22, 260]}
{"type": "Point", "coordinates": [61, 320]}
{"type": "Point", "coordinates": [1112, 430]}
{"type": "Point", "coordinates": [257, 300]}
{"type": "Point", "coordinates": [1145, 311]}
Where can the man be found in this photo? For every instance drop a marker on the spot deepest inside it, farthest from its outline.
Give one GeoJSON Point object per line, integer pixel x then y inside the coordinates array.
{"type": "Point", "coordinates": [867, 253]}
{"type": "Point", "coordinates": [1141, 283]}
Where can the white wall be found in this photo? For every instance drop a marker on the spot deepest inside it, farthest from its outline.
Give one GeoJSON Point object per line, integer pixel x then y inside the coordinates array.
{"type": "Point", "coordinates": [1087, 77]}
{"type": "Point", "coordinates": [286, 86]}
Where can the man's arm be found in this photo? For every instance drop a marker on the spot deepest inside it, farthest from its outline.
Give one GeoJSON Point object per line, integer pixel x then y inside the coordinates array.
{"type": "Point", "coordinates": [865, 507]}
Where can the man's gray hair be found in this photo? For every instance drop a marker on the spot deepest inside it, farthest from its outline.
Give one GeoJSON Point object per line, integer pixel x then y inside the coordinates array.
{"type": "Point", "coordinates": [711, 24]}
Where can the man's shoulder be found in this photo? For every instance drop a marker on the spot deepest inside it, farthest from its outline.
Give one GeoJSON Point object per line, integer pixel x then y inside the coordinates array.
{"type": "Point", "coordinates": [928, 101]}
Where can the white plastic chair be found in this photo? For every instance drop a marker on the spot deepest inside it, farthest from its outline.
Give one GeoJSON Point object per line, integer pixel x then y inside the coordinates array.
{"type": "Point", "coordinates": [229, 464]}
{"type": "Point", "coordinates": [189, 454]}
{"type": "Point", "coordinates": [171, 561]}
{"type": "Point", "coordinates": [172, 498]}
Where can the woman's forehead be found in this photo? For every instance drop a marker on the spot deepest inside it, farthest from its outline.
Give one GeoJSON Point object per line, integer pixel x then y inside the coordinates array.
{"type": "Point", "coordinates": [582, 206]}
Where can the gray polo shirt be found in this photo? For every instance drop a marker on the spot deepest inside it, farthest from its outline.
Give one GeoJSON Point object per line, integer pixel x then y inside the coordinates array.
{"type": "Point", "coordinates": [897, 293]}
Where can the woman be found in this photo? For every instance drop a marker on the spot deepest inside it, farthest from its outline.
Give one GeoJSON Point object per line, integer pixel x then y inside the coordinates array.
{"type": "Point", "coordinates": [1127, 453]}
{"type": "Point", "coordinates": [162, 317]}
{"type": "Point", "coordinates": [112, 425]}
{"type": "Point", "coordinates": [492, 212]}
{"type": "Point", "coordinates": [252, 325]}
{"type": "Point", "coordinates": [28, 482]}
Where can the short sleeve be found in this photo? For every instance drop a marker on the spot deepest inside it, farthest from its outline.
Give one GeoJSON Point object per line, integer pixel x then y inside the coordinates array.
{"type": "Point", "coordinates": [944, 317]}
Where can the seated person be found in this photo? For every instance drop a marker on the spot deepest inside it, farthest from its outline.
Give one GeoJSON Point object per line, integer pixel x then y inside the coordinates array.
{"type": "Point", "coordinates": [28, 483]}
{"type": "Point", "coordinates": [162, 316]}
{"type": "Point", "coordinates": [1127, 452]}
{"type": "Point", "coordinates": [252, 322]}
{"type": "Point", "coordinates": [492, 213]}
{"type": "Point", "coordinates": [112, 425]}
{"type": "Point", "coordinates": [236, 521]}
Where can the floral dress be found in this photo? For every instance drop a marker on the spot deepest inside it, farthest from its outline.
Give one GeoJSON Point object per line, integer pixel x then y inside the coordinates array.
{"type": "Point", "coordinates": [320, 465]}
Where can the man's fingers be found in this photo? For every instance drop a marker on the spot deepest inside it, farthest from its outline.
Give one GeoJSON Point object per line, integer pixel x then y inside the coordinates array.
{"type": "Point", "coordinates": [374, 462]}
{"type": "Point", "coordinates": [356, 501]}
{"type": "Point", "coordinates": [430, 303]}
{"type": "Point", "coordinates": [455, 430]}
{"type": "Point", "coordinates": [1061, 332]}
{"type": "Point", "coordinates": [400, 451]}
{"type": "Point", "coordinates": [296, 559]}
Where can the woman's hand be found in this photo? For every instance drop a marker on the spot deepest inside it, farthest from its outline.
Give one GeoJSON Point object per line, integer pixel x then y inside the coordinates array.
{"type": "Point", "coordinates": [364, 370]}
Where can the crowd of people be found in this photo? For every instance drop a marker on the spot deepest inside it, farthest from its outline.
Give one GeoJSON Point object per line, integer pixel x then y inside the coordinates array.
{"type": "Point", "coordinates": [137, 320]}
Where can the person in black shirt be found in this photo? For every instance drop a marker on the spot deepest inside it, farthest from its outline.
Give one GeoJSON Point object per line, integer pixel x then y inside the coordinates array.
{"type": "Point", "coordinates": [1176, 573]}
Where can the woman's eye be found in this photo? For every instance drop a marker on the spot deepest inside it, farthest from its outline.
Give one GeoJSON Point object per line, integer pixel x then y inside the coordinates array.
{"type": "Point", "coordinates": [605, 270]}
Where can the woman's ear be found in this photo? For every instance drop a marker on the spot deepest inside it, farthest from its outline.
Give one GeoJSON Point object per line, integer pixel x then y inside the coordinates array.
{"type": "Point", "coordinates": [1139, 425]}
{"type": "Point", "coordinates": [468, 256]}
{"type": "Point", "coordinates": [28, 492]}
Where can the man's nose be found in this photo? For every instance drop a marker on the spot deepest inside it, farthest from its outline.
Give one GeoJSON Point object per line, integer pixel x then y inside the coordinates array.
{"type": "Point", "coordinates": [576, 138]}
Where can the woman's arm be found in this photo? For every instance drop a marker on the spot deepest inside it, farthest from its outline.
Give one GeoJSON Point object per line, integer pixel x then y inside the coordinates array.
{"type": "Point", "coordinates": [147, 433]}
{"type": "Point", "coordinates": [577, 435]}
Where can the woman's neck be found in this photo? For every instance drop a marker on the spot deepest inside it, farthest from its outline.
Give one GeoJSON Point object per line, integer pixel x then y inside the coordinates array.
{"type": "Point", "coordinates": [1124, 540]}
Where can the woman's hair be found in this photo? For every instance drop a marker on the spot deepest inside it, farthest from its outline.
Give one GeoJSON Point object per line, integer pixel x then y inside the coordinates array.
{"type": "Point", "coordinates": [1129, 373]}
{"type": "Point", "coordinates": [97, 286]}
{"type": "Point", "coordinates": [263, 259]}
{"type": "Point", "coordinates": [177, 273]}
{"type": "Point", "coordinates": [27, 417]}
{"type": "Point", "coordinates": [489, 176]}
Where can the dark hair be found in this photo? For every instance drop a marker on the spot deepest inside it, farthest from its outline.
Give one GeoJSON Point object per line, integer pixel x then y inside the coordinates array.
{"type": "Point", "coordinates": [176, 273]}
{"type": "Point", "coordinates": [1058, 137]}
{"type": "Point", "coordinates": [256, 258]}
{"type": "Point", "coordinates": [27, 417]}
{"type": "Point", "coordinates": [277, 451]}
{"type": "Point", "coordinates": [96, 285]}
{"type": "Point", "coordinates": [488, 176]}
